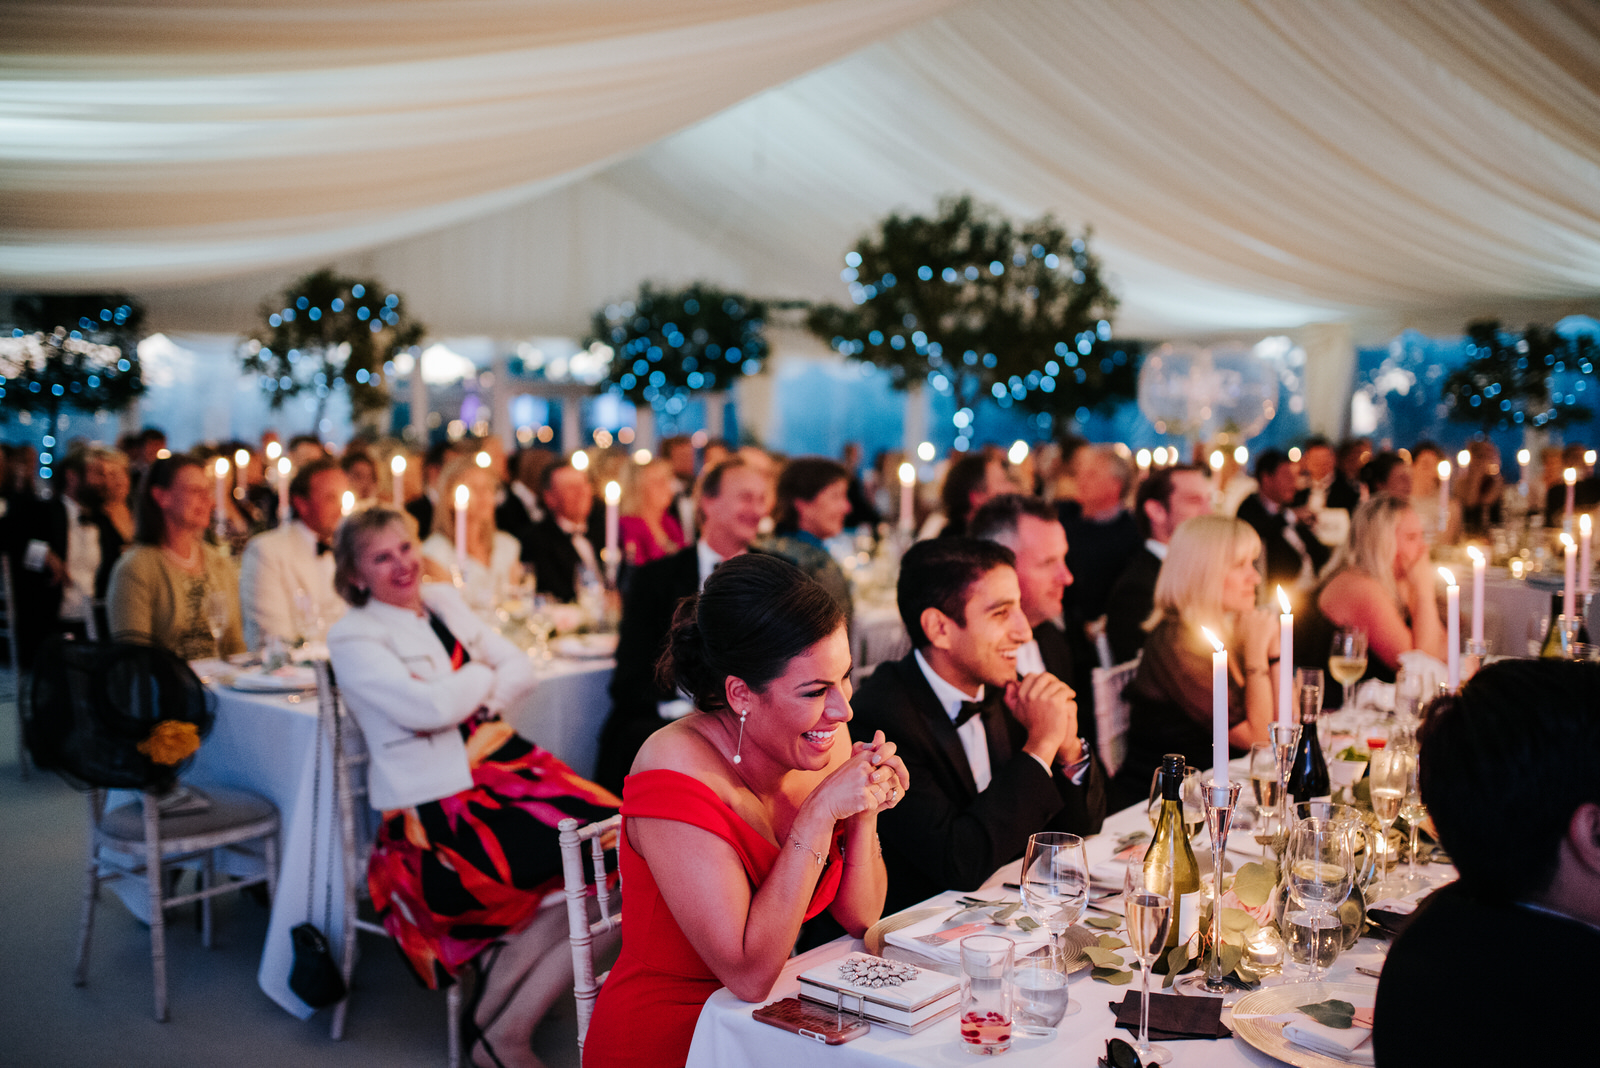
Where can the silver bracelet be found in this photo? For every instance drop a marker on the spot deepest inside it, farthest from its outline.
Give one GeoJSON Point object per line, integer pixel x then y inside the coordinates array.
{"type": "Point", "coordinates": [822, 858]}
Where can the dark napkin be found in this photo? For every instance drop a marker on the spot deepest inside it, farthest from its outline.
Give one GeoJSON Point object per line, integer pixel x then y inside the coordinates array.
{"type": "Point", "coordinates": [1386, 924]}
{"type": "Point", "coordinates": [1174, 1017]}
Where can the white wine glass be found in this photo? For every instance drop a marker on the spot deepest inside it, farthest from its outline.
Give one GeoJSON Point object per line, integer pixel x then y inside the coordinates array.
{"type": "Point", "coordinates": [1320, 874]}
{"type": "Point", "coordinates": [1055, 888]}
{"type": "Point", "coordinates": [1387, 774]}
{"type": "Point", "coordinates": [1147, 910]}
{"type": "Point", "coordinates": [218, 613]}
{"type": "Point", "coordinates": [1347, 657]}
{"type": "Point", "coordinates": [1413, 811]}
{"type": "Point", "coordinates": [1266, 788]}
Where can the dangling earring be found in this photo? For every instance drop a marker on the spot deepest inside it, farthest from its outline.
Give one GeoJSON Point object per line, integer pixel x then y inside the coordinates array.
{"type": "Point", "coordinates": [737, 759]}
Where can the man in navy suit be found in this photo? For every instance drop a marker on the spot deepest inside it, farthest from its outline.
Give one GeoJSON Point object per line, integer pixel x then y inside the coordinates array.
{"type": "Point", "coordinates": [994, 757]}
{"type": "Point", "coordinates": [733, 498]}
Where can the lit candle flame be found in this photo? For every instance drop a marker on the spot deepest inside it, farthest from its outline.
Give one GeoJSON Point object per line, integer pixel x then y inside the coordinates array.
{"type": "Point", "coordinates": [580, 461]}
{"type": "Point", "coordinates": [463, 494]}
{"type": "Point", "coordinates": [1566, 540]}
{"type": "Point", "coordinates": [347, 503]}
{"type": "Point", "coordinates": [1464, 458]}
{"type": "Point", "coordinates": [642, 457]}
{"type": "Point", "coordinates": [222, 467]}
{"type": "Point", "coordinates": [397, 466]}
{"type": "Point", "coordinates": [1143, 459]}
{"type": "Point", "coordinates": [1283, 599]}
{"type": "Point", "coordinates": [1444, 469]}
{"type": "Point", "coordinates": [283, 466]}
{"type": "Point", "coordinates": [1216, 460]}
{"type": "Point", "coordinates": [613, 493]}
{"type": "Point", "coordinates": [242, 457]}
{"type": "Point", "coordinates": [1475, 552]}
{"type": "Point", "coordinates": [274, 450]}
{"type": "Point", "coordinates": [1523, 456]}
{"type": "Point", "coordinates": [908, 474]}
{"type": "Point", "coordinates": [1212, 638]}
{"type": "Point", "coordinates": [1448, 576]}
{"type": "Point", "coordinates": [1571, 476]}
{"type": "Point", "coordinates": [483, 459]}
{"type": "Point", "coordinates": [1584, 523]}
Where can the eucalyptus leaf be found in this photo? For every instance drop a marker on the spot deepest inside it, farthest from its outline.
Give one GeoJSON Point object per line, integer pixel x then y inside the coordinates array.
{"type": "Point", "coordinates": [1106, 941]}
{"type": "Point", "coordinates": [1230, 957]}
{"type": "Point", "coordinates": [1237, 921]}
{"type": "Point", "coordinates": [1114, 976]}
{"type": "Point", "coordinates": [1246, 973]}
{"type": "Point", "coordinates": [1002, 915]}
{"type": "Point", "coordinates": [1104, 923]}
{"type": "Point", "coordinates": [1103, 958]}
{"type": "Point", "coordinates": [1254, 883]}
{"type": "Point", "coordinates": [1339, 1015]}
{"type": "Point", "coordinates": [1027, 923]}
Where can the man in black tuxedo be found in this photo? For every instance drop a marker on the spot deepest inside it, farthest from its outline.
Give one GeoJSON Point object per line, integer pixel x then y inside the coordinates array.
{"type": "Point", "coordinates": [1165, 499]}
{"type": "Point", "coordinates": [1345, 490]}
{"type": "Point", "coordinates": [733, 498]}
{"type": "Point", "coordinates": [1293, 553]}
{"type": "Point", "coordinates": [993, 758]}
{"type": "Point", "coordinates": [558, 545]}
{"type": "Point", "coordinates": [55, 555]}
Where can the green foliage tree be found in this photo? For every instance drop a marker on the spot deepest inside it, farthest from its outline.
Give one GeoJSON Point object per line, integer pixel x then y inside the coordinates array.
{"type": "Point", "coordinates": [77, 350]}
{"type": "Point", "coordinates": [979, 306]}
{"type": "Point", "coordinates": [1512, 379]}
{"type": "Point", "coordinates": [327, 330]}
{"type": "Point", "coordinates": [669, 344]}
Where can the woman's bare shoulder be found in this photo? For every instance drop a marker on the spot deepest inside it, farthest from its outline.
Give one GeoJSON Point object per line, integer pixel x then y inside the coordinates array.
{"type": "Point", "coordinates": [683, 746]}
{"type": "Point", "coordinates": [1351, 593]}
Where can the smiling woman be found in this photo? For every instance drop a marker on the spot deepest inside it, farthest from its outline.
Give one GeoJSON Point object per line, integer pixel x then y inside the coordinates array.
{"type": "Point", "coordinates": [746, 818]}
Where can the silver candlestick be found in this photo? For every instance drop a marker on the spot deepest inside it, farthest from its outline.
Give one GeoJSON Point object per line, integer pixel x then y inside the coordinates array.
{"type": "Point", "coordinates": [1220, 801]}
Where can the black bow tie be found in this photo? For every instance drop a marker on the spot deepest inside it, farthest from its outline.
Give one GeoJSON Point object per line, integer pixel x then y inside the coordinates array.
{"type": "Point", "coordinates": [967, 711]}
{"type": "Point", "coordinates": [323, 547]}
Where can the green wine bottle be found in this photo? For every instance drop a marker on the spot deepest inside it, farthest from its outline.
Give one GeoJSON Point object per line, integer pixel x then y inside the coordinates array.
{"type": "Point", "coordinates": [1170, 861]}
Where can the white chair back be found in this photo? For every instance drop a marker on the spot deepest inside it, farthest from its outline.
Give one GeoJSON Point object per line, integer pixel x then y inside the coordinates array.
{"type": "Point", "coordinates": [581, 931]}
{"type": "Point", "coordinates": [1111, 712]}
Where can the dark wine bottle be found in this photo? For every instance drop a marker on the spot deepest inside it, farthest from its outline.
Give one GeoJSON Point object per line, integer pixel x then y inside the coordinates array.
{"type": "Point", "coordinates": [1308, 775]}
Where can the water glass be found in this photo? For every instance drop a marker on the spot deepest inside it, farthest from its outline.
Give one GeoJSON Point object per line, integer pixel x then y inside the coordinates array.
{"type": "Point", "coordinates": [1320, 873]}
{"type": "Point", "coordinates": [1055, 887]}
{"type": "Point", "coordinates": [986, 996]}
{"type": "Point", "coordinates": [1038, 993]}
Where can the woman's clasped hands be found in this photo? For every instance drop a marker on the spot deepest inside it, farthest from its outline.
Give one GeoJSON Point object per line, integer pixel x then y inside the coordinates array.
{"type": "Point", "coordinates": [871, 780]}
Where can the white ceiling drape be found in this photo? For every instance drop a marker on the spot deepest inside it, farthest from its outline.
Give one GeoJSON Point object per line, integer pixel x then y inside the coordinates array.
{"type": "Point", "coordinates": [1245, 163]}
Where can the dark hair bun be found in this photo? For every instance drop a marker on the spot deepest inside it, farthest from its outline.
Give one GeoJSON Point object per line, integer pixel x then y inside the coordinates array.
{"type": "Point", "coordinates": [756, 613]}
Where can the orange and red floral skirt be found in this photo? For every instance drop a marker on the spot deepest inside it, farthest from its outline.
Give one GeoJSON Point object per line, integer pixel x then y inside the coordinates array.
{"type": "Point", "coordinates": [449, 877]}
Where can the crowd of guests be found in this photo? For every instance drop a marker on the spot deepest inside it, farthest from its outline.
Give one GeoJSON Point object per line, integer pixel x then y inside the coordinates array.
{"type": "Point", "coordinates": [757, 816]}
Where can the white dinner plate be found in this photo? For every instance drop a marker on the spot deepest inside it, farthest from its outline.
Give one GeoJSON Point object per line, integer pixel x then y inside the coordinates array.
{"type": "Point", "coordinates": [1254, 1022]}
{"type": "Point", "coordinates": [284, 680]}
{"type": "Point", "coordinates": [585, 646]}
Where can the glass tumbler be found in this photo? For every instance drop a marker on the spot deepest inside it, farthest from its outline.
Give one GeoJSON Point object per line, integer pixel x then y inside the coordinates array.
{"type": "Point", "coordinates": [986, 995]}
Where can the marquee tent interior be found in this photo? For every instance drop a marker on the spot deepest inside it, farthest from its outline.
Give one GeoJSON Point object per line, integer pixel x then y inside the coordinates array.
{"type": "Point", "coordinates": [510, 166]}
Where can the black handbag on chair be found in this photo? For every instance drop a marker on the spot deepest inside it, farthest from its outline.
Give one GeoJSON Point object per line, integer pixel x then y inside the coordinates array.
{"type": "Point", "coordinates": [315, 977]}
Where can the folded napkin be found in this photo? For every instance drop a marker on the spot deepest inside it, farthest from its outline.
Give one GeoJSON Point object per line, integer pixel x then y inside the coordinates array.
{"type": "Point", "coordinates": [1388, 924]}
{"type": "Point", "coordinates": [1174, 1017]}
{"type": "Point", "coordinates": [949, 952]}
{"type": "Point", "coordinates": [1353, 1044]}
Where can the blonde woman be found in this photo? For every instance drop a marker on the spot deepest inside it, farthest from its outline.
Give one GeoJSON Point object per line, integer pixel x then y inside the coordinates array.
{"type": "Point", "coordinates": [491, 563]}
{"type": "Point", "coordinates": [1209, 579]}
{"type": "Point", "coordinates": [1380, 581]}
{"type": "Point", "coordinates": [646, 525]}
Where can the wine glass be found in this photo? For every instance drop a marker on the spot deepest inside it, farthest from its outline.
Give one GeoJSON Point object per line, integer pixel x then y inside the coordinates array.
{"type": "Point", "coordinates": [1387, 774]}
{"type": "Point", "coordinates": [1414, 812]}
{"type": "Point", "coordinates": [1055, 888]}
{"type": "Point", "coordinates": [1147, 908]}
{"type": "Point", "coordinates": [1319, 864]}
{"type": "Point", "coordinates": [1347, 658]}
{"type": "Point", "coordinates": [1194, 806]}
{"type": "Point", "coordinates": [218, 613]}
{"type": "Point", "coordinates": [1266, 785]}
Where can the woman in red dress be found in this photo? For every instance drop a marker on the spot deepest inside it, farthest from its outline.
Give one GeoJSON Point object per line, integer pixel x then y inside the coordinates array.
{"type": "Point", "coordinates": [647, 526]}
{"type": "Point", "coordinates": [745, 818]}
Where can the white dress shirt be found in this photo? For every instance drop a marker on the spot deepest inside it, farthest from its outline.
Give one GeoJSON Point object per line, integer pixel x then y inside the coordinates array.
{"type": "Point", "coordinates": [708, 559]}
{"type": "Point", "coordinates": [974, 739]}
{"type": "Point", "coordinates": [83, 560]}
{"type": "Point", "coordinates": [278, 565]}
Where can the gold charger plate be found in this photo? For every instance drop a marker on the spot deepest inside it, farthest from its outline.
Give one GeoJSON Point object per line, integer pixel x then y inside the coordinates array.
{"type": "Point", "coordinates": [1266, 1034]}
{"type": "Point", "coordinates": [1076, 937]}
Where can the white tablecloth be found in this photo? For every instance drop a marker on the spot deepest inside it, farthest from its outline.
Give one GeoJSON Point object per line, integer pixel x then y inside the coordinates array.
{"type": "Point", "coordinates": [1508, 606]}
{"type": "Point", "coordinates": [264, 743]}
{"type": "Point", "coordinates": [727, 1036]}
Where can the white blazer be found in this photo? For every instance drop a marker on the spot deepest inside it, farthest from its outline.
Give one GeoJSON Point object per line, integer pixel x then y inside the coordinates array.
{"type": "Point", "coordinates": [394, 675]}
{"type": "Point", "coordinates": [275, 565]}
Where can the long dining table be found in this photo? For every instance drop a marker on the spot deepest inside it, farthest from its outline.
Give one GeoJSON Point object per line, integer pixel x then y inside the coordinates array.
{"type": "Point", "coordinates": [728, 1037]}
{"type": "Point", "coordinates": [268, 743]}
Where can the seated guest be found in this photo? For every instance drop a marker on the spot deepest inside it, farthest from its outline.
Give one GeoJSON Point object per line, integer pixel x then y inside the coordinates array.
{"type": "Point", "coordinates": [1346, 490]}
{"type": "Point", "coordinates": [287, 573]}
{"type": "Point", "coordinates": [1480, 488]}
{"type": "Point", "coordinates": [1294, 555]}
{"type": "Point", "coordinates": [108, 507]}
{"type": "Point", "coordinates": [1507, 770]}
{"type": "Point", "coordinates": [160, 587]}
{"type": "Point", "coordinates": [646, 525]}
{"type": "Point", "coordinates": [1102, 534]}
{"type": "Point", "coordinates": [733, 499]}
{"type": "Point", "coordinates": [362, 474]}
{"type": "Point", "coordinates": [1387, 473]}
{"type": "Point", "coordinates": [520, 509]}
{"type": "Point", "coordinates": [303, 448]}
{"type": "Point", "coordinates": [1208, 579]}
{"type": "Point", "coordinates": [971, 480]}
{"type": "Point", "coordinates": [862, 511]}
{"type": "Point", "coordinates": [1380, 582]}
{"type": "Point", "coordinates": [491, 565]}
{"type": "Point", "coordinates": [557, 547]}
{"type": "Point", "coordinates": [813, 499]}
{"type": "Point", "coordinates": [1165, 500]}
{"type": "Point", "coordinates": [421, 507]}
{"type": "Point", "coordinates": [1425, 459]}
{"type": "Point", "coordinates": [1317, 465]}
{"type": "Point", "coordinates": [1030, 529]}
{"type": "Point", "coordinates": [467, 849]}
{"type": "Point", "coordinates": [995, 758]}
{"type": "Point", "coordinates": [738, 818]}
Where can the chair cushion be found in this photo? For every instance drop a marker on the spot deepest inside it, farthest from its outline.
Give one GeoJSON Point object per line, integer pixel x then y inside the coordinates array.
{"type": "Point", "coordinates": [228, 808]}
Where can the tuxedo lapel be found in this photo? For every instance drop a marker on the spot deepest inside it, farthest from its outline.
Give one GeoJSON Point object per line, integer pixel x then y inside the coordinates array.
{"type": "Point", "coordinates": [937, 722]}
{"type": "Point", "coordinates": [997, 731]}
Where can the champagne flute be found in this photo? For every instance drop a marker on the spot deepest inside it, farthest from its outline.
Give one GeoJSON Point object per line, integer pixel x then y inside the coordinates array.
{"type": "Point", "coordinates": [1147, 908]}
{"type": "Point", "coordinates": [1320, 876]}
{"type": "Point", "coordinates": [1387, 772]}
{"type": "Point", "coordinates": [1055, 888]}
{"type": "Point", "coordinates": [1347, 658]}
{"type": "Point", "coordinates": [1266, 786]}
{"type": "Point", "coordinates": [1414, 812]}
{"type": "Point", "coordinates": [218, 612]}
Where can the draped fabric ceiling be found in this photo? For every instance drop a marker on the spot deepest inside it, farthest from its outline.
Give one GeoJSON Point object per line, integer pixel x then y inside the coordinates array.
{"type": "Point", "coordinates": [509, 166]}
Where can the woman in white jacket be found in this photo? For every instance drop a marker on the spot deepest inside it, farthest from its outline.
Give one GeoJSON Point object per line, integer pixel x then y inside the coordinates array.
{"type": "Point", "coordinates": [468, 844]}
